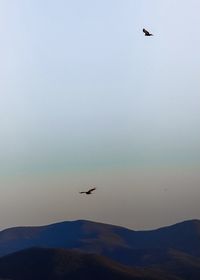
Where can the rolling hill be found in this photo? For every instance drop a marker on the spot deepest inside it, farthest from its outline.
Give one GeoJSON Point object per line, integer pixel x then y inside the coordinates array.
{"type": "Point", "coordinates": [104, 239]}
{"type": "Point", "coordinates": [60, 264]}
{"type": "Point", "coordinates": [167, 253]}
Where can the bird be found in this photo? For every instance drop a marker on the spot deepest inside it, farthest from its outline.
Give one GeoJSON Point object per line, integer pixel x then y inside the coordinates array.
{"type": "Point", "coordinates": [146, 33]}
{"type": "Point", "coordinates": [89, 191]}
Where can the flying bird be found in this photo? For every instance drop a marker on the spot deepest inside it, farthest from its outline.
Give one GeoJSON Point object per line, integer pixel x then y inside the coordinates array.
{"type": "Point", "coordinates": [146, 33]}
{"type": "Point", "coordinates": [89, 191]}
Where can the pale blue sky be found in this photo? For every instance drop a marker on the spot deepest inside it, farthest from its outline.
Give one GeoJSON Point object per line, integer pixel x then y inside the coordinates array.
{"type": "Point", "coordinates": [87, 99]}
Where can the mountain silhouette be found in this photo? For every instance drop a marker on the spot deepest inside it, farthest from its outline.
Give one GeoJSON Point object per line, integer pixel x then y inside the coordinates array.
{"type": "Point", "coordinates": [115, 242]}
{"type": "Point", "coordinates": [63, 264]}
{"type": "Point", "coordinates": [60, 264]}
{"type": "Point", "coordinates": [111, 252]}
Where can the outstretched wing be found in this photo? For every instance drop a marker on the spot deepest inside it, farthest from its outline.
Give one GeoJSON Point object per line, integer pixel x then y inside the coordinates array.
{"type": "Point", "coordinates": [91, 190]}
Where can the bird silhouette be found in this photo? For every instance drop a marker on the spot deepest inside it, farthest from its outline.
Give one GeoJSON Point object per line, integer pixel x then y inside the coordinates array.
{"type": "Point", "coordinates": [89, 191]}
{"type": "Point", "coordinates": [146, 33]}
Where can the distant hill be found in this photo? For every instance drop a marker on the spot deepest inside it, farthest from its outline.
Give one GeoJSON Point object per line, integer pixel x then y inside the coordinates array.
{"type": "Point", "coordinates": [60, 264]}
{"type": "Point", "coordinates": [82, 249]}
{"type": "Point", "coordinates": [121, 244]}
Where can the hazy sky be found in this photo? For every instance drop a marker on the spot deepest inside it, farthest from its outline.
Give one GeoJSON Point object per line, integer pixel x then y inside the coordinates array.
{"type": "Point", "coordinates": [86, 99]}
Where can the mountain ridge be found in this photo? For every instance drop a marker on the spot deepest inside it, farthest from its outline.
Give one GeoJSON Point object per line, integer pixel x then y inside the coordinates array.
{"type": "Point", "coordinates": [60, 264]}
{"type": "Point", "coordinates": [102, 238]}
{"type": "Point", "coordinates": [170, 253]}
{"type": "Point", "coordinates": [101, 223]}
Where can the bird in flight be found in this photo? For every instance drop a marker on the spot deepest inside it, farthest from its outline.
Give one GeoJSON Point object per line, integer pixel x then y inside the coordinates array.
{"type": "Point", "coordinates": [89, 191]}
{"type": "Point", "coordinates": [146, 33]}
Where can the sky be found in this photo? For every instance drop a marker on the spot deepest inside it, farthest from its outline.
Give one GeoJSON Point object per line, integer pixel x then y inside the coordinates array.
{"type": "Point", "coordinates": [87, 99]}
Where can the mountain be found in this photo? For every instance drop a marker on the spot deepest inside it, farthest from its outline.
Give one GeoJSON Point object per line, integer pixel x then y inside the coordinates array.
{"type": "Point", "coordinates": [123, 245]}
{"type": "Point", "coordinates": [60, 264]}
{"type": "Point", "coordinates": [82, 249]}
{"type": "Point", "coordinates": [63, 264]}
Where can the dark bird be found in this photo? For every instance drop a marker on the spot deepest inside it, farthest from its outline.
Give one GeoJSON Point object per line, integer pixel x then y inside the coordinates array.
{"type": "Point", "coordinates": [89, 191]}
{"type": "Point", "coordinates": [146, 33]}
